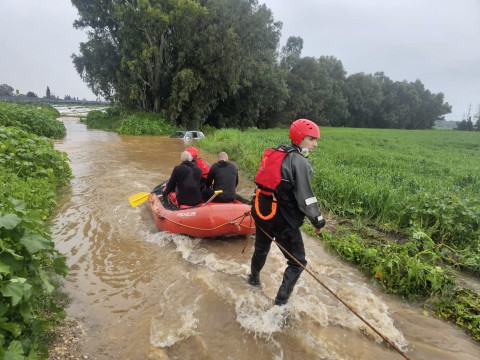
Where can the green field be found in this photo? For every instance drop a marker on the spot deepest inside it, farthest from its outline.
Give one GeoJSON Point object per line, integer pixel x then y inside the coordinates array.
{"type": "Point", "coordinates": [394, 178]}
{"type": "Point", "coordinates": [410, 200]}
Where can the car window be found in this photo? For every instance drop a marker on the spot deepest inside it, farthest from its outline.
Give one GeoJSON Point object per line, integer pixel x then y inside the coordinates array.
{"type": "Point", "coordinates": [188, 134]}
{"type": "Point", "coordinates": [178, 134]}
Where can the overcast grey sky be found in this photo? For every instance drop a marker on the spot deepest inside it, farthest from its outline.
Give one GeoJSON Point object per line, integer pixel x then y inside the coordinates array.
{"type": "Point", "coordinates": [436, 41]}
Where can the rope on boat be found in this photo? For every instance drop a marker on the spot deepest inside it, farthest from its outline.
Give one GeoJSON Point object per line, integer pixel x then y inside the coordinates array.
{"type": "Point", "coordinates": [246, 239]}
{"type": "Point", "coordinates": [387, 340]}
{"type": "Point", "coordinates": [233, 222]}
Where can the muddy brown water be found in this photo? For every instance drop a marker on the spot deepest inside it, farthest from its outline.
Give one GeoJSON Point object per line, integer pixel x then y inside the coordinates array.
{"type": "Point", "coordinates": [143, 294]}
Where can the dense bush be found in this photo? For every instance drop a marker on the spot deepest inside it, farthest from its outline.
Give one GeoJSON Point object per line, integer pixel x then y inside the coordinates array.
{"type": "Point", "coordinates": [36, 120]}
{"type": "Point", "coordinates": [143, 123]}
{"type": "Point", "coordinates": [136, 123]}
{"type": "Point", "coordinates": [30, 156]}
{"type": "Point", "coordinates": [27, 257]}
{"type": "Point", "coordinates": [105, 120]}
{"type": "Point", "coordinates": [31, 171]}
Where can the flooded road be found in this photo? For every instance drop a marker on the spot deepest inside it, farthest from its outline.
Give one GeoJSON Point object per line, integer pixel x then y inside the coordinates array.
{"type": "Point", "coordinates": [142, 294]}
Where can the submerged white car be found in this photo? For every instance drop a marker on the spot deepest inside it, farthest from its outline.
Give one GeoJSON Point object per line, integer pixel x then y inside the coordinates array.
{"type": "Point", "coordinates": [188, 134]}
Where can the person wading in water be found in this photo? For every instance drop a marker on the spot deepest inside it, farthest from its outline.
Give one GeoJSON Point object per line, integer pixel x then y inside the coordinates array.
{"type": "Point", "coordinates": [283, 181]}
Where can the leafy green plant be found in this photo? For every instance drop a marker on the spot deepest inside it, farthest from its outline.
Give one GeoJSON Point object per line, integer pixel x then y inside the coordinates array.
{"type": "Point", "coordinates": [27, 254]}
{"type": "Point", "coordinates": [462, 307]}
{"type": "Point", "coordinates": [36, 193]}
{"type": "Point", "coordinates": [40, 121]}
{"type": "Point", "coordinates": [31, 171]}
{"type": "Point", "coordinates": [105, 120]}
{"type": "Point", "coordinates": [142, 123]}
{"type": "Point", "coordinates": [135, 123]}
{"type": "Point", "coordinates": [27, 155]}
{"type": "Point", "coordinates": [408, 269]}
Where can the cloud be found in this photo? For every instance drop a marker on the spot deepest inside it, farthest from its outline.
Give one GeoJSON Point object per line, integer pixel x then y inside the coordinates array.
{"type": "Point", "coordinates": [37, 42]}
{"type": "Point", "coordinates": [435, 41]}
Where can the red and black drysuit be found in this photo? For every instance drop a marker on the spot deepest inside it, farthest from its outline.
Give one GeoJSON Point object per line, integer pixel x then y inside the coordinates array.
{"type": "Point", "coordinates": [295, 201]}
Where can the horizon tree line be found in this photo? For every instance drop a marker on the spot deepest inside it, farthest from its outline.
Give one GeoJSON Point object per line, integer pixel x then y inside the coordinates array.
{"type": "Point", "coordinates": [216, 62]}
{"type": "Point", "coordinates": [7, 90]}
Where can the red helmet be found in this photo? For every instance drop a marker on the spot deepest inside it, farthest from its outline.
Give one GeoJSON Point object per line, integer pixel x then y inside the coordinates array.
{"type": "Point", "coordinates": [193, 150]}
{"type": "Point", "coordinates": [301, 128]}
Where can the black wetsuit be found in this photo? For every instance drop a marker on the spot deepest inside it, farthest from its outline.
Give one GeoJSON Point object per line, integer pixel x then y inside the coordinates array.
{"type": "Point", "coordinates": [224, 176]}
{"type": "Point", "coordinates": [186, 179]}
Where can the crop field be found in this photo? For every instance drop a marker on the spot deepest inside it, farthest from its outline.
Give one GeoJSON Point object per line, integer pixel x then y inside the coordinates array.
{"type": "Point", "coordinates": [423, 187]}
{"type": "Point", "coordinates": [395, 178]}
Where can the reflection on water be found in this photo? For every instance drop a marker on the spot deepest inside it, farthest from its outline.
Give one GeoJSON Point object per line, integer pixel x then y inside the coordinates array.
{"type": "Point", "coordinates": [143, 294]}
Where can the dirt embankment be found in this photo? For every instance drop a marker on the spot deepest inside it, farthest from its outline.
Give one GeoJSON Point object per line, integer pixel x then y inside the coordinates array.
{"type": "Point", "coordinates": [69, 342]}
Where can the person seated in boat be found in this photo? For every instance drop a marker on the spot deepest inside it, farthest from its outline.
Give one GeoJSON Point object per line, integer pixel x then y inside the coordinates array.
{"type": "Point", "coordinates": [185, 179]}
{"type": "Point", "coordinates": [223, 175]}
{"type": "Point", "coordinates": [202, 164]}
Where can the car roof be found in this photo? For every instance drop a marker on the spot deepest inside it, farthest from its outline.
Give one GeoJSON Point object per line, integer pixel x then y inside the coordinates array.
{"type": "Point", "coordinates": [180, 133]}
{"type": "Point", "coordinates": [184, 131]}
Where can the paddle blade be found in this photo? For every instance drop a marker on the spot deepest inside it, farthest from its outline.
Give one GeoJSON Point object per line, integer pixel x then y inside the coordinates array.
{"type": "Point", "coordinates": [138, 199]}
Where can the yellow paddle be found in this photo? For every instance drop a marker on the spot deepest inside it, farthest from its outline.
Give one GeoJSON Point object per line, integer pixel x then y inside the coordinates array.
{"type": "Point", "coordinates": [141, 197]}
{"type": "Point", "coordinates": [214, 196]}
{"type": "Point", "coordinates": [138, 199]}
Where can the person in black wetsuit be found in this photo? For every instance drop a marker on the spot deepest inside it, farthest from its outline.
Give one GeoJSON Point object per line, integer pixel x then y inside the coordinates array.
{"type": "Point", "coordinates": [185, 180]}
{"type": "Point", "coordinates": [223, 175]}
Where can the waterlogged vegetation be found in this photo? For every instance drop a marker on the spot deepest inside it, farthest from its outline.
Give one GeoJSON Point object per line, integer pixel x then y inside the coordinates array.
{"type": "Point", "coordinates": [128, 123]}
{"type": "Point", "coordinates": [39, 119]}
{"type": "Point", "coordinates": [409, 203]}
{"type": "Point", "coordinates": [31, 173]}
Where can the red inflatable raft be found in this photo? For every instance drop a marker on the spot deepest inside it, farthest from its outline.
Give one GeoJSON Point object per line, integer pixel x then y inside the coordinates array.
{"type": "Point", "coordinates": [203, 221]}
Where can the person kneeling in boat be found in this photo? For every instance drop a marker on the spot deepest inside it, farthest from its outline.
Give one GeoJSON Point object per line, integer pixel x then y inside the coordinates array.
{"type": "Point", "coordinates": [185, 179]}
{"type": "Point", "coordinates": [223, 175]}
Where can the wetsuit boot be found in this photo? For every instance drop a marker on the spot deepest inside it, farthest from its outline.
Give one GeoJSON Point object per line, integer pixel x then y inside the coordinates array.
{"type": "Point", "coordinates": [290, 278]}
{"type": "Point", "coordinates": [258, 260]}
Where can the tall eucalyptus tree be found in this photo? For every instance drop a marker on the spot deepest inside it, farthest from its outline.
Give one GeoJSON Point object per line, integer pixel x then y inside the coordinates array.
{"type": "Point", "coordinates": [197, 60]}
